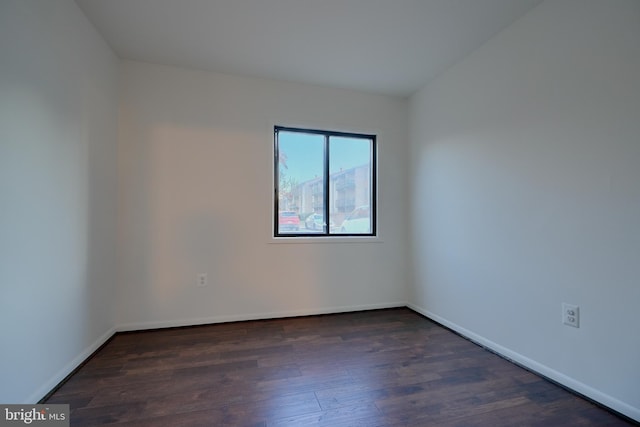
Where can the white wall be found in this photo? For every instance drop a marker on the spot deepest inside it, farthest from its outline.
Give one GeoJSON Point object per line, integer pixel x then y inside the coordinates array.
{"type": "Point", "coordinates": [196, 171]}
{"type": "Point", "coordinates": [526, 193]}
{"type": "Point", "coordinates": [58, 183]}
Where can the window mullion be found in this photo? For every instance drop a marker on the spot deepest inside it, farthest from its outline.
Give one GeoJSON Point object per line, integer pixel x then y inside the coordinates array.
{"type": "Point", "coordinates": [327, 179]}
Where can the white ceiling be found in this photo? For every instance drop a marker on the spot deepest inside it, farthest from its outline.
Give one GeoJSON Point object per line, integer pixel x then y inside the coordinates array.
{"type": "Point", "coordinates": [383, 46]}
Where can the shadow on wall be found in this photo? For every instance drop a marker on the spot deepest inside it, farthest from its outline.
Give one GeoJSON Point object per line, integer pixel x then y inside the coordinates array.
{"type": "Point", "coordinates": [193, 205]}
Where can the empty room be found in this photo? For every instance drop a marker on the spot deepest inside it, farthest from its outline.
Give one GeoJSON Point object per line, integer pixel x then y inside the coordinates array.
{"type": "Point", "coordinates": [337, 212]}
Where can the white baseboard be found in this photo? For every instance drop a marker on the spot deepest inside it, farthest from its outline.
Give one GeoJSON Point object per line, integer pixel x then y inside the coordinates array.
{"type": "Point", "coordinates": [571, 383]}
{"type": "Point", "coordinates": [137, 326]}
{"type": "Point", "coordinates": [68, 368]}
{"type": "Point", "coordinates": [590, 392]}
{"type": "Point", "coordinates": [50, 384]}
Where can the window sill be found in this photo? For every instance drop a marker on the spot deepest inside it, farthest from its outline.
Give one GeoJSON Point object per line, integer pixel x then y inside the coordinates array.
{"type": "Point", "coordinates": [311, 240]}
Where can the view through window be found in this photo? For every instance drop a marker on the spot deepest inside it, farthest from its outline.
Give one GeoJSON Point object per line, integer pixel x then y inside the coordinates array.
{"type": "Point", "coordinates": [325, 183]}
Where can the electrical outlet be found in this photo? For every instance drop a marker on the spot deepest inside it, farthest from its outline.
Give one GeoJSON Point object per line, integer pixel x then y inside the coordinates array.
{"type": "Point", "coordinates": [571, 315]}
{"type": "Point", "coordinates": [202, 280]}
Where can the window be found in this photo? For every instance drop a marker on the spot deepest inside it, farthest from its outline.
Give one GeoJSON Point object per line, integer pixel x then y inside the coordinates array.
{"type": "Point", "coordinates": [325, 183]}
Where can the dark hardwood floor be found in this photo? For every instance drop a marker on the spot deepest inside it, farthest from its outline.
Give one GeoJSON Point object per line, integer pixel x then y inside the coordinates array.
{"type": "Point", "coordinates": [375, 368]}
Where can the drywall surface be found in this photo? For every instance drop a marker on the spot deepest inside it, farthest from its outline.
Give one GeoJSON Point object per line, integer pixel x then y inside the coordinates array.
{"type": "Point", "coordinates": [196, 189]}
{"type": "Point", "coordinates": [525, 190]}
{"type": "Point", "coordinates": [58, 184]}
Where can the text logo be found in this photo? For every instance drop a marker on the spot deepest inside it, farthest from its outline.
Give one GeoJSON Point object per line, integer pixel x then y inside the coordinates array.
{"type": "Point", "coordinates": [34, 415]}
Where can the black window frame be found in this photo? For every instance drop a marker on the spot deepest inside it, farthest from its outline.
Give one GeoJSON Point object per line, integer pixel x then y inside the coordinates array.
{"type": "Point", "coordinates": [326, 183]}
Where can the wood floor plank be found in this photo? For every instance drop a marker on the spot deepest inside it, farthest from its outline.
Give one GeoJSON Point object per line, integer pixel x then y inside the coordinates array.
{"type": "Point", "coordinates": [374, 368]}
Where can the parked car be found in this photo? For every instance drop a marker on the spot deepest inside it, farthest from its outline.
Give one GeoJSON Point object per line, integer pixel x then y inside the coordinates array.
{"type": "Point", "coordinates": [316, 222]}
{"type": "Point", "coordinates": [358, 221]}
{"type": "Point", "coordinates": [288, 221]}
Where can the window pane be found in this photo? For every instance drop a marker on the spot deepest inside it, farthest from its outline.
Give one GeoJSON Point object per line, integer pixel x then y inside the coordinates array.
{"type": "Point", "coordinates": [300, 182]}
{"type": "Point", "coordinates": [350, 198]}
